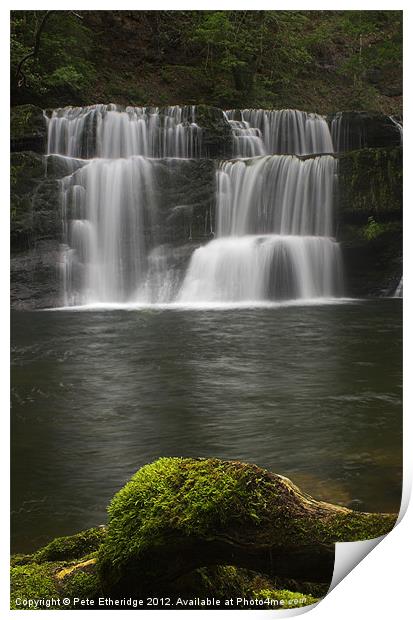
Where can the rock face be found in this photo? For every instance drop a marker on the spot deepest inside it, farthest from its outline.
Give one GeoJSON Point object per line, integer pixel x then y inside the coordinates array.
{"type": "Point", "coordinates": [177, 515]}
{"type": "Point", "coordinates": [27, 129]}
{"type": "Point", "coordinates": [35, 227]}
{"type": "Point", "coordinates": [217, 134]}
{"type": "Point", "coordinates": [355, 130]}
{"type": "Point", "coordinates": [199, 528]}
{"type": "Point", "coordinates": [370, 219]}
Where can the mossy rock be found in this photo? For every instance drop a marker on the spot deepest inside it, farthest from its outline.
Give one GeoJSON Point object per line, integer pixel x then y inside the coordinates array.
{"type": "Point", "coordinates": [66, 567]}
{"type": "Point", "coordinates": [50, 582]}
{"type": "Point", "coordinates": [177, 514]}
{"type": "Point", "coordinates": [31, 582]}
{"type": "Point", "coordinates": [71, 547]}
{"type": "Point", "coordinates": [27, 128]}
{"type": "Point", "coordinates": [370, 184]}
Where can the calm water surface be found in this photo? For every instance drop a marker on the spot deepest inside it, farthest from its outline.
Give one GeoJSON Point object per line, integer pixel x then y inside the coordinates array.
{"type": "Point", "coordinates": [310, 392]}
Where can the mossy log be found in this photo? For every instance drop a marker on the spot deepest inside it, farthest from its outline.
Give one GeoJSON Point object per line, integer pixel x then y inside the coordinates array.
{"type": "Point", "coordinates": [176, 515]}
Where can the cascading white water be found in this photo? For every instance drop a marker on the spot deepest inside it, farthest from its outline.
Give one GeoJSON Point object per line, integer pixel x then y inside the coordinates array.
{"type": "Point", "coordinates": [280, 132]}
{"type": "Point", "coordinates": [263, 267]}
{"type": "Point", "coordinates": [106, 205]}
{"type": "Point", "coordinates": [247, 140]}
{"type": "Point", "coordinates": [276, 194]}
{"type": "Point", "coordinates": [273, 217]}
{"type": "Point", "coordinates": [275, 231]}
{"type": "Point", "coordinates": [111, 131]}
{"type": "Point", "coordinates": [399, 289]}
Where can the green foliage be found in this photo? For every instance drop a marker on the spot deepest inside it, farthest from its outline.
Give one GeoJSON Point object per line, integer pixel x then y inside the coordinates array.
{"type": "Point", "coordinates": [320, 60]}
{"type": "Point", "coordinates": [67, 76]}
{"type": "Point", "coordinates": [373, 229]}
{"type": "Point", "coordinates": [62, 58]}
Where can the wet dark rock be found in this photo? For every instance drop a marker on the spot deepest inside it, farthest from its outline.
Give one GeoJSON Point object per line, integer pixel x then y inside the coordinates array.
{"type": "Point", "coordinates": [35, 212]}
{"type": "Point", "coordinates": [370, 184]}
{"type": "Point", "coordinates": [34, 277]}
{"type": "Point", "coordinates": [355, 130]}
{"type": "Point", "coordinates": [216, 131]}
{"type": "Point", "coordinates": [370, 220]}
{"type": "Point", "coordinates": [27, 129]}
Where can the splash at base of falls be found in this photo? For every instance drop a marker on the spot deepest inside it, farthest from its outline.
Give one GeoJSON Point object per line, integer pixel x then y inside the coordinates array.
{"type": "Point", "coordinates": [263, 267]}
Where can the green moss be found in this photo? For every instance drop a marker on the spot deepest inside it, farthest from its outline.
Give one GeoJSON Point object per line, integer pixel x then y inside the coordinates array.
{"type": "Point", "coordinates": [353, 526]}
{"type": "Point", "coordinates": [284, 599]}
{"type": "Point", "coordinates": [19, 559]}
{"type": "Point", "coordinates": [370, 183]}
{"type": "Point", "coordinates": [175, 498]}
{"type": "Point", "coordinates": [63, 568]}
{"type": "Point", "coordinates": [71, 547]}
{"type": "Point", "coordinates": [32, 581]}
{"type": "Point", "coordinates": [186, 495]}
{"type": "Point", "coordinates": [198, 499]}
{"type": "Point", "coordinates": [82, 585]}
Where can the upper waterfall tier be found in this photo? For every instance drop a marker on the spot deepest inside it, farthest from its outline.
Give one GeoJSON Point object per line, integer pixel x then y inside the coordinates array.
{"type": "Point", "coordinates": [278, 194]}
{"type": "Point", "coordinates": [112, 131]}
{"type": "Point", "coordinates": [258, 132]}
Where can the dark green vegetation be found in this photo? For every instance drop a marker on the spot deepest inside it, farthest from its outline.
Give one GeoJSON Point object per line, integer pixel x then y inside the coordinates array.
{"type": "Point", "coordinates": [314, 60]}
{"type": "Point", "coordinates": [370, 219]}
{"type": "Point", "coordinates": [179, 527]}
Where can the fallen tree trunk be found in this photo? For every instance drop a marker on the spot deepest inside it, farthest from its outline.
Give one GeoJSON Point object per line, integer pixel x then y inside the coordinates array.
{"type": "Point", "coordinates": [177, 515]}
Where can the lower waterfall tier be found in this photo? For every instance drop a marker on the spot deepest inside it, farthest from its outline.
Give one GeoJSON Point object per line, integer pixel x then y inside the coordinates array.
{"type": "Point", "coordinates": [263, 267]}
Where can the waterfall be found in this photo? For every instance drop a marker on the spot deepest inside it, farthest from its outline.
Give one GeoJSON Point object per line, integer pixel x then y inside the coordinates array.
{"type": "Point", "coordinates": [399, 289]}
{"type": "Point", "coordinates": [399, 125]}
{"type": "Point", "coordinates": [263, 267]}
{"type": "Point", "coordinates": [276, 194]}
{"type": "Point", "coordinates": [279, 132]}
{"type": "Point", "coordinates": [247, 140]}
{"type": "Point", "coordinates": [274, 214]}
{"type": "Point", "coordinates": [274, 227]}
{"type": "Point", "coordinates": [106, 205]}
{"type": "Point", "coordinates": [112, 131]}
